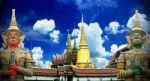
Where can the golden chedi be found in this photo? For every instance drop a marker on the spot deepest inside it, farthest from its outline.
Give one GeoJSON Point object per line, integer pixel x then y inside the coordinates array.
{"type": "Point", "coordinates": [83, 54]}
{"type": "Point", "coordinates": [68, 51]}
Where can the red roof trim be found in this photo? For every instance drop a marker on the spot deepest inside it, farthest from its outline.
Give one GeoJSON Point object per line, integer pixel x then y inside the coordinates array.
{"type": "Point", "coordinates": [80, 72]}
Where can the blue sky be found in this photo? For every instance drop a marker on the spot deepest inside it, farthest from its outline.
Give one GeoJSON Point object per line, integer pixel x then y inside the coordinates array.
{"type": "Point", "coordinates": [45, 24]}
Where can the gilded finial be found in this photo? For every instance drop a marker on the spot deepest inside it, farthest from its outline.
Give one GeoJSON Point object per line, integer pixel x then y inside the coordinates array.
{"type": "Point", "coordinates": [68, 41]}
{"type": "Point", "coordinates": [136, 21]}
{"type": "Point", "coordinates": [82, 38]}
{"type": "Point", "coordinates": [82, 18]}
{"type": "Point", "coordinates": [74, 37]}
{"type": "Point", "coordinates": [13, 22]}
{"type": "Point", "coordinates": [75, 42]}
{"type": "Point", "coordinates": [82, 21]}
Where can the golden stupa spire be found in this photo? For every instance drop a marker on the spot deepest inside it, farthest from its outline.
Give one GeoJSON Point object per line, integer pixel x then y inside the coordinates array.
{"type": "Point", "coordinates": [83, 55]}
{"type": "Point", "coordinates": [13, 22]}
{"type": "Point", "coordinates": [74, 38]}
{"type": "Point", "coordinates": [83, 42]}
{"type": "Point", "coordinates": [68, 49]}
{"type": "Point", "coordinates": [75, 43]}
{"type": "Point", "coordinates": [136, 21]}
{"type": "Point", "coordinates": [68, 42]}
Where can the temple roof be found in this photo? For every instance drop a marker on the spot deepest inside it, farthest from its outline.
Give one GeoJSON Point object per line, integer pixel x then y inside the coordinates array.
{"type": "Point", "coordinates": [58, 59]}
{"type": "Point", "coordinates": [80, 72]}
{"type": "Point", "coordinates": [112, 63]}
{"type": "Point", "coordinates": [45, 72]}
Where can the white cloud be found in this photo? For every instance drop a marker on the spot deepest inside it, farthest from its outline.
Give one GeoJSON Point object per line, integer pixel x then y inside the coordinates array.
{"type": "Point", "coordinates": [44, 26]}
{"type": "Point", "coordinates": [37, 54]}
{"type": "Point", "coordinates": [122, 46]}
{"type": "Point", "coordinates": [106, 37]}
{"type": "Point", "coordinates": [47, 64]}
{"type": "Point", "coordinates": [100, 62]}
{"type": "Point", "coordinates": [115, 47]}
{"type": "Point", "coordinates": [76, 35]}
{"type": "Point", "coordinates": [55, 36]}
{"type": "Point", "coordinates": [143, 22]}
{"type": "Point", "coordinates": [115, 28]}
{"type": "Point", "coordinates": [75, 32]}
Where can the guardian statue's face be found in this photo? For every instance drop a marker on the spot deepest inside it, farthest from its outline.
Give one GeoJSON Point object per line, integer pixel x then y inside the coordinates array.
{"type": "Point", "coordinates": [137, 39]}
{"type": "Point", "coordinates": [13, 38]}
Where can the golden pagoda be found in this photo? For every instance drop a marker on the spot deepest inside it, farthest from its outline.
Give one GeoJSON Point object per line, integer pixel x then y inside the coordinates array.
{"type": "Point", "coordinates": [68, 43]}
{"type": "Point", "coordinates": [83, 54]}
{"type": "Point", "coordinates": [68, 50]}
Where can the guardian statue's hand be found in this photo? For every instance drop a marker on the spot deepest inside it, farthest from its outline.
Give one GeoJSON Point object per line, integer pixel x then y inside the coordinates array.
{"type": "Point", "coordinates": [13, 70]}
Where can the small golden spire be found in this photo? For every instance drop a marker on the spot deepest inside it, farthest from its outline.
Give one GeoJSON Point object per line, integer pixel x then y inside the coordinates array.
{"type": "Point", "coordinates": [68, 49]}
{"type": "Point", "coordinates": [68, 42]}
{"type": "Point", "coordinates": [136, 21]}
{"type": "Point", "coordinates": [82, 21]}
{"type": "Point", "coordinates": [75, 43]}
{"type": "Point", "coordinates": [74, 38]}
{"type": "Point", "coordinates": [13, 23]}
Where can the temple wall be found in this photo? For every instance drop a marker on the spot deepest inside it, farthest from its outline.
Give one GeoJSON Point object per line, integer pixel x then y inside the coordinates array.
{"type": "Point", "coordinates": [64, 78]}
{"type": "Point", "coordinates": [40, 78]}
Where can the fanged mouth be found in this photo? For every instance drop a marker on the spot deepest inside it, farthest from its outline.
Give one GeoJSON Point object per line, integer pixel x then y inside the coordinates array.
{"type": "Point", "coordinates": [137, 40]}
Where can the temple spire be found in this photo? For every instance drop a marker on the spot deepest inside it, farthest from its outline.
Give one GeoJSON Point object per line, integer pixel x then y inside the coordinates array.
{"type": "Point", "coordinates": [74, 38]}
{"type": "Point", "coordinates": [83, 42]}
{"type": "Point", "coordinates": [83, 55]}
{"type": "Point", "coordinates": [68, 49]}
{"type": "Point", "coordinates": [136, 21]}
{"type": "Point", "coordinates": [68, 42]}
{"type": "Point", "coordinates": [75, 43]}
{"type": "Point", "coordinates": [13, 22]}
{"type": "Point", "coordinates": [82, 20]}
